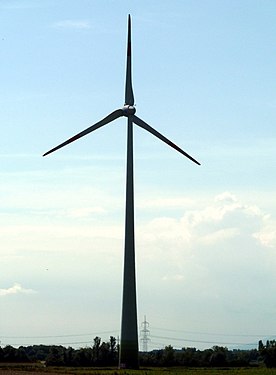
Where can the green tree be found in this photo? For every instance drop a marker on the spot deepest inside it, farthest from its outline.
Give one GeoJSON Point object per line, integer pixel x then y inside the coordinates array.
{"type": "Point", "coordinates": [1, 354]}
{"type": "Point", "coordinates": [260, 346]}
{"type": "Point", "coordinates": [186, 356]}
{"type": "Point", "coordinates": [9, 354]}
{"type": "Point", "coordinates": [113, 342]}
{"type": "Point", "coordinates": [82, 357]}
{"type": "Point", "coordinates": [56, 356]}
{"type": "Point", "coordinates": [96, 349]}
{"type": "Point", "coordinates": [218, 358]}
{"type": "Point", "coordinates": [168, 357]}
{"type": "Point", "coordinates": [269, 353]}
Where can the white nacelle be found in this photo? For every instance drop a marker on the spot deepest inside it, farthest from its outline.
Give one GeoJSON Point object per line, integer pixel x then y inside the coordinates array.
{"type": "Point", "coordinates": [128, 110]}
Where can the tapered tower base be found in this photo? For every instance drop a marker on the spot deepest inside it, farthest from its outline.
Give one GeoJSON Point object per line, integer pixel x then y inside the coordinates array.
{"type": "Point", "coordinates": [129, 355]}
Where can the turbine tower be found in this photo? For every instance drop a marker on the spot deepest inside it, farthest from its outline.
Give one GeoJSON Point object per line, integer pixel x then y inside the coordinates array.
{"type": "Point", "coordinates": [129, 333]}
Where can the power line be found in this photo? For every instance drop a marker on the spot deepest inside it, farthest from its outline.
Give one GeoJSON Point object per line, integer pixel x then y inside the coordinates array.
{"type": "Point", "coordinates": [152, 327]}
{"type": "Point", "coordinates": [145, 337]}
{"type": "Point", "coordinates": [201, 341]}
{"type": "Point", "coordinates": [211, 333]}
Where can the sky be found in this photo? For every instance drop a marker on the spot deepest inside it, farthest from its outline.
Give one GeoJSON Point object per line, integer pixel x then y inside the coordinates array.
{"type": "Point", "coordinates": [204, 76]}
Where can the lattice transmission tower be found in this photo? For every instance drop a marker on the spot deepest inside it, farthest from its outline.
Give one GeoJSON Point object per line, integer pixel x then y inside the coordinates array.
{"type": "Point", "coordinates": [145, 333]}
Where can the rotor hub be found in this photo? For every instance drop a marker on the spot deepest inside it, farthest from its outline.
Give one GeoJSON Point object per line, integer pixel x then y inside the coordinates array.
{"type": "Point", "coordinates": [128, 110]}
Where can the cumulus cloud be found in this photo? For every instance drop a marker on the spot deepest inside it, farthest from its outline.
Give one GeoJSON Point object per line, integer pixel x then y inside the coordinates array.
{"type": "Point", "coordinates": [223, 236]}
{"type": "Point", "coordinates": [220, 236]}
{"type": "Point", "coordinates": [267, 233]}
{"type": "Point", "coordinates": [219, 220]}
{"type": "Point", "coordinates": [223, 218]}
{"type": "Point", "coordinates": [226, 196]}
{"type": "Point", "coordinates": [15, 289]}
{"type": "Point", "coordinates": [217, 260]}
{"type": "Point", "coordinates": [216, 211]}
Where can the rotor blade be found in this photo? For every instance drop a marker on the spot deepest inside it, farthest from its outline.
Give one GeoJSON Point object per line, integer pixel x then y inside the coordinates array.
{"type": "Point", "coordinates": [112, 116]}
{"type": "Point", "coordinates": [147, 127]}
{"type": "Point", "coordinates": [129, 97]}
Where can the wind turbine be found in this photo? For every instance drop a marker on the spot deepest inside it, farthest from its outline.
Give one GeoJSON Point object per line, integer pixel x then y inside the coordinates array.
{"type": "Point", "coordinates": [129, 335]}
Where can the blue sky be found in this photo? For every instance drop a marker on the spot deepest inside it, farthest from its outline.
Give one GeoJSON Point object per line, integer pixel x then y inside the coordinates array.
{"type": "Point", "coordinates": [204, 76]}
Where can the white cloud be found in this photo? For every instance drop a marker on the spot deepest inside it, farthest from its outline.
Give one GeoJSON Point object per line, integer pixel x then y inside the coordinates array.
{"type": "Point", "coordinates": [226, 196]}
{"type": "Point", "coordinates": [223, 232]}
{"type": "Point", "coordinates": [215, 212]}
{"type": "Point", "coordinates": [220, 236]}
{"type": "Point", "coordinates": [15, 289]}
{"type": "Point", "coordinates": [72, 24]}
{"type": "Point", "coordinates": [215, 255]}
{"type": "Point", "coordinates": [267, 233]}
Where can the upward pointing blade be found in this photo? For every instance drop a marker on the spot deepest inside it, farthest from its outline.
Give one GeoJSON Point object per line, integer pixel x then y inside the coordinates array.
{"type": "Point", "coordinates": [147, 127]}
{"type": "Point", "coordinates": [112, 116]}
{"type": "Point", "coordinates": [129, 97]}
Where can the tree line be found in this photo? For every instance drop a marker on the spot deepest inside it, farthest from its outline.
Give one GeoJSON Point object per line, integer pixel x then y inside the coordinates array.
{"type": "Point", "coordinates": [102, 353]}
{"type": "Point", "coordinates": [99, 354]}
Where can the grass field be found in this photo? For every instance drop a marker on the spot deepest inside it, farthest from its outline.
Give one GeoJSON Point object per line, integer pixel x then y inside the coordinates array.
{"type": "Point", "coordinates": [21, 369]}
